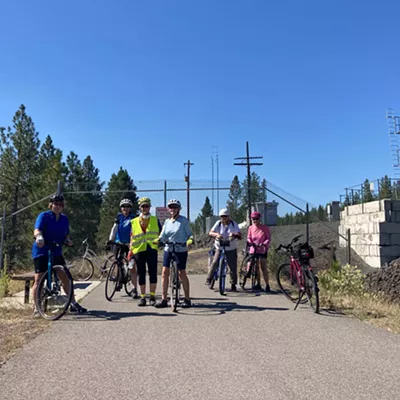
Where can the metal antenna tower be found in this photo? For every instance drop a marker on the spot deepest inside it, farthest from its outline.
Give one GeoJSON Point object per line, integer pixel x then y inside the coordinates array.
{"type": "Point", "coordinates": [248, 164]}
{"type": "Point", "coordinates": [394, 131]}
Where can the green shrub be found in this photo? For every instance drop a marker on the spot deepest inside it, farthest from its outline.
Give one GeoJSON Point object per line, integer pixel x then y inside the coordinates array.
{"type": "Point", "coordinates": [346, 280]}
{"type": "Point", "coordinates": [274, 259]}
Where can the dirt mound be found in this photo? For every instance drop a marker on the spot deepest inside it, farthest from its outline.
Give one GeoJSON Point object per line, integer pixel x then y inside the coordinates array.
{"type": "Point", "coordinates": [386, 280]}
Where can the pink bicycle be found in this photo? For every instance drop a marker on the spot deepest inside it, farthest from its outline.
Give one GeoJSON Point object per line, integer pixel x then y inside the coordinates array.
{"type": "Point", "coordinates": [296, 278]}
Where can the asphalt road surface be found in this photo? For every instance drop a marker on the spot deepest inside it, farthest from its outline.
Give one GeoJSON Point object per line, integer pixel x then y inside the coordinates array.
{"type": "Point", "coordinates": [236, 346]}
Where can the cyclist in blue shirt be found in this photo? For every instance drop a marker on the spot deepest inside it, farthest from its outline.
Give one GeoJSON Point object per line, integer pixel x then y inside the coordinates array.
{"type": "Point", "coordinates": [121, 233]}
{"type": "Point", "coordinates": [51, 226]}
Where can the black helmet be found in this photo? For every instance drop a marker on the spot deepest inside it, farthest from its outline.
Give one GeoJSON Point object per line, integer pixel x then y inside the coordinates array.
{"type": "Point", "coordinates": [59, 198]}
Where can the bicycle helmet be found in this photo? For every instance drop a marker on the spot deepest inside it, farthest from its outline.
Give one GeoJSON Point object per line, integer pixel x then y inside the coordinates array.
{"type": "Point", "coordinates": [174, 202]}
{"type": "Point", "coordinates": [57, 198]}
{"type": "Point", "coordinates": [125, 202]}
{"type": "Point", "coordinates": [255, 214]}
{"type": "Point", "coordinates": [144, 200]}
{"type": "Point", "coordinates": [224, 212]}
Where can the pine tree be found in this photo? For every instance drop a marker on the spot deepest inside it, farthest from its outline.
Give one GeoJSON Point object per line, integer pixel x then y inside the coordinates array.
{"type": "Point", "coordinates": [19, 178]}
{"type": "Point", "coordinates": [385, 188]}
{"type": "Point", "coordinates": [366, 192]}
{"type": "Point", "coordinates": [120, 186]}
{"type": "Point", "coordinates": [234, 205]}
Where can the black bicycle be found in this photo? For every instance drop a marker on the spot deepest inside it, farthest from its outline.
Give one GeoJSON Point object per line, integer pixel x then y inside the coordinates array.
{"type": "Point", "coordinates": [222, 269]}
{"type": "Point", "coordinates": [119, 274]}
{"type": "Point", "coordinates": [249, 267]}
{"type": "Point", "coordinates": [52, 297]}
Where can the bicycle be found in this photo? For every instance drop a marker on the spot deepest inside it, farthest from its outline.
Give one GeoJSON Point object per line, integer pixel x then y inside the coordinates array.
{"type": "Point", "coordinates": [222, 268]}
{"type": "Point", "coordinates": [298, 273]}
{"type": "Point", "coordinates": [119, 274]}
{"type": "Point", "coordinates": [174, 280]}
{"type": "Point", "coordinates": [49, 291]}
{"type": "Point", "coordinates": [82, 267]}
{"type": "Point", "coordinates": [249, 268]}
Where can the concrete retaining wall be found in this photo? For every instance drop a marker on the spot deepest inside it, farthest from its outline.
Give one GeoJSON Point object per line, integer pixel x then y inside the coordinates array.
{"type": "Point", "coordinates": [375, 230]}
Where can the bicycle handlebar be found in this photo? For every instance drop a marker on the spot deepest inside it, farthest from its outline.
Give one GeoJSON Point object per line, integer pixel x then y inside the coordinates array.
{"type": "Point", "coordinates": [289, 246]}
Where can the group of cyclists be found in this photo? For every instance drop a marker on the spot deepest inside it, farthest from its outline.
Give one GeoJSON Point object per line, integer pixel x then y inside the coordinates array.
{"type": "Point", "coordinates": [139, 238]}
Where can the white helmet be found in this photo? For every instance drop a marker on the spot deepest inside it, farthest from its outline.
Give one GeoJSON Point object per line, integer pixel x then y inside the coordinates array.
{"type": "Point", "coordinates": [224, 211]}
{"type": "Point", "coordinates": [125, 202]}
{"type": "Point", "coordinates": [175, 203]}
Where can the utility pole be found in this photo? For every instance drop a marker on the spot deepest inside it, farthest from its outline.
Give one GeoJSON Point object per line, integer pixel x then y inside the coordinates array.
{"type": "Point", "coordinates": [248, 164]}
{"type": "Point", "coordinates": [187, 180]}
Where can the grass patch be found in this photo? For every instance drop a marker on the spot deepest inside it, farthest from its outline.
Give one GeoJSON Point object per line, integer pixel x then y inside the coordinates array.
{"type": "Point", "coordinates": [17, 327]}
{"type": "Point", "coordinates": [342, 288]}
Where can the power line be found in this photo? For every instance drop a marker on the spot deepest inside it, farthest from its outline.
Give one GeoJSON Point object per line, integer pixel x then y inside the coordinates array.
{"type": "Point", "coordinates": [248, 164]}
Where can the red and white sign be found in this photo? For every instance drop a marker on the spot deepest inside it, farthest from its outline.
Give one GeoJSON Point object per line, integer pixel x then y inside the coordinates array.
{"type": "Point", "coordinates": [162, 213]}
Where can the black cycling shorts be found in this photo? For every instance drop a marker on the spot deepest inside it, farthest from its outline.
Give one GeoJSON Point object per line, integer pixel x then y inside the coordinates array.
{"type": "Point", "coordinates": [40, 263]}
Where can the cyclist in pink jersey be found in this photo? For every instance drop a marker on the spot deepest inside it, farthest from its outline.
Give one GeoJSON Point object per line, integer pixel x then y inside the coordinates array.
{"type": "Point", "coordinates": [260, 235]}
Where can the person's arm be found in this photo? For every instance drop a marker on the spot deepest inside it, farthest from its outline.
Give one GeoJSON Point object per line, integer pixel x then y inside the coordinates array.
{"type": "Point", "coordinates": [163, 236]}
{"type": "Point", "coordinates": [38, 230]}
{"type": "Point", "coordinates": [267, 241]}
{"type": "Point", "coordinates": [236, 231]}
{"type": "Point", "coordinates": [189, 233]}
{"type": "Point", "coordinates": [250, 234]}
{"type": "Point", "coordinates": [214, 231]}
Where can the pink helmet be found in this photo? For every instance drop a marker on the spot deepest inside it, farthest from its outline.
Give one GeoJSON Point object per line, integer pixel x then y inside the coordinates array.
{"type": "Point", "coordinates": [255, 214]}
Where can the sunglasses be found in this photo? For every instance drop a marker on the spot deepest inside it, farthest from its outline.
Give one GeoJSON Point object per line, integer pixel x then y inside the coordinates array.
{"type": "Point", "coordinates": [58, 204]}
{"type": "Point", "coordinates": [173, 207]}
{"type": "Point", "coordinates": [126, 206]}
{"type": "Point", "coordinates": [255, 219]}
{"type": "Point", "coordinates": [224, 216]}
{"type": "Point", "coordinates": [145, 206]}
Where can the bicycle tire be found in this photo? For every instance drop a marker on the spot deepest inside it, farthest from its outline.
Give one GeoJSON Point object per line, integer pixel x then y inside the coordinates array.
{"type": "Point", "coordinates": [222, 275]}
{"type": "Point", "coordinates": [243, 272]}
{"type": "Point", "coordinates": [76, 273]}
{"type": "Point", "coordinates": [108, 280]}
{"type": "Point", "coordinates": [128, 283]}
{"type": "Point", "coordinates": [174, 287]}
{"type": "Point", "coordinates": [279, 280]}
{"type": "Point", "coordinates": [40, 290]}
{"type": "Point", "coordinates": [311, 282]}
{"type": "Point", "coordinates": [253, 272]}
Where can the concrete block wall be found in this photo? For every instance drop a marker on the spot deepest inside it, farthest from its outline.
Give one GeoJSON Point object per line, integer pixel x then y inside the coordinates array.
{"type": "Point", "coordinates": [375, 230]}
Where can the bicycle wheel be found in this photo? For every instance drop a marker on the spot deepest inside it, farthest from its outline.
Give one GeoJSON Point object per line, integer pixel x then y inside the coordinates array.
{"type": "Point", "coordinates": [81, 269]}
{"type": "Point", "coordinates": [52, 299]}
{"type": "Point", "coordinates": [174, 286]}
{"type": "Point", "coordinates": [106, 266]}
{"type": "Point", "coordinates": [253, 273]}
{"type": "Point", "coordinates": [288, 282]}
{"type": "Point", "coordinates": [244, 271]}
{"type": "Point", "coordinates": [222, 275]}
{"type": "Point", "coordinates": [112, 280]}
{"type": "Point", "coordinates": [128, 283]}
{"type": "Point", "coordinates": [312, 290]}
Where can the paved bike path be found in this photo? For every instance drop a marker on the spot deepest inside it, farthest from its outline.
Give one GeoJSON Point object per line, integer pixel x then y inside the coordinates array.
{"type": "Point", "coordinates": [238, 346]}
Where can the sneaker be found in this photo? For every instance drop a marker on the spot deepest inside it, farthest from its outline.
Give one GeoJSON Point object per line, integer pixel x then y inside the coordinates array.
{"type": "Point", "coordinates": [233, 288]}
{"type": "Point", "coordinates": [208, 282]}
{"type": "Point", "coordinates": [36, 313]}
{"type": "Point", "coordinates": [152, 301]}
{"type": "Point", "coordinates": [134, 294]}
{"type": "Point", "coordinates": [142, 302]}
{"type": "Point", "coordinates": [77, 308]}
{"type": "Point", "coordinates": [186, 303]}
{"type": "Point", "coordinates": [267, 289]}
{"type": "Point", "coordinates": [257, 287]}
{"type": "Point", "coordinates": [161, 303]}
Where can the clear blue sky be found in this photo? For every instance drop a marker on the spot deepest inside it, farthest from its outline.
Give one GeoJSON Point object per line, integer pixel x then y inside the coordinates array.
{"type": "Point", "coordinates": [151, 84]}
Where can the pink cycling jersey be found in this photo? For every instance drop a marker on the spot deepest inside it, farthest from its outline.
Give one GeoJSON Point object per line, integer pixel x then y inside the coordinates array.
{"type": "Point", "coordinates": [259, 235]}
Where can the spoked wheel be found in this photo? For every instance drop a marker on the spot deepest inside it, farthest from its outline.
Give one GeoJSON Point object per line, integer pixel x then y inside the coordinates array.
{"type": "Point", "coordinates": [53, 298]}
{"type": "Point", "coordinates": [253, 274]}
{"type": "Point", "coordinates": [312, 290]}
{"type": "Point", "coordinates": [128, 282]}
{"type": "Point", "coordinates": [244, 272]}
{"type": "Point", "coordinates": [106, 266]}
{"type": "Point", "coordinates": [174, 282]}
{"type": "Point", "coordinates": [112, 281]}
{"type": "Point", "coordinates": [81, 269]}
{"type": "Point", "coordinates": [288, 283]}
{"type": "Point", "coordinates": [222, 275]}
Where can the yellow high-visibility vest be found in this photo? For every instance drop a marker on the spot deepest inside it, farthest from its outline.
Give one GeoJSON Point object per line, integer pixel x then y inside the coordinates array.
{"type": "Point", "coordinates": [140, 240]}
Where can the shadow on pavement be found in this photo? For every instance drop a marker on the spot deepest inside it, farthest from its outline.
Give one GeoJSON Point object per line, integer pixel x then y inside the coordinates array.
{"type": "Point", "coordinates": [103, 315]}
{"type": "Point", "coordinates": [222, 307]}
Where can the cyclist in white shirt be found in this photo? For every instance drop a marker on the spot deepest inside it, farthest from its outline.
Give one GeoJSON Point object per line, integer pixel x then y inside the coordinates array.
{"type": "Point", "coordinates": [225, 229]}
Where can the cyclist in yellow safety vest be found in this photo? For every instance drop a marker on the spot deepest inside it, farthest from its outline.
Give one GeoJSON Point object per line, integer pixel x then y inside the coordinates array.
{"type": "Point", "coordinates": [144, 230]}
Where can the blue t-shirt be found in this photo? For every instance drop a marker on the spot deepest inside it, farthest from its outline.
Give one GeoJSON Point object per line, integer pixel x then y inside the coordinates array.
{"type": "Point", "coordinates": [176, 231]}
{"type": "Point", "coordinates": [53, 231]}
{"type": "Point", "coordinates": [124, 228]}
